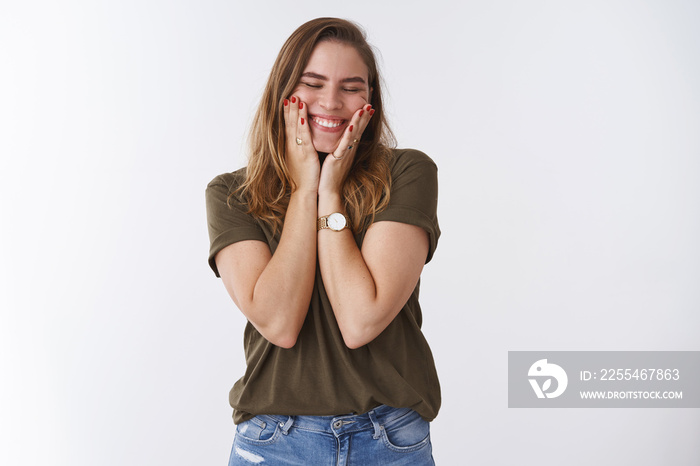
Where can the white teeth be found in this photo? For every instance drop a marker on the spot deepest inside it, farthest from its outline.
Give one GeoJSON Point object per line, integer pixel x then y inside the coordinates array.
{"type": "Point", "coordinates": [327, 123]}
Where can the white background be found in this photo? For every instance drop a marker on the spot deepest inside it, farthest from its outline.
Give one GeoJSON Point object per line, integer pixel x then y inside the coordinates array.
{"type": "Point", "coordinates": [567, 139]}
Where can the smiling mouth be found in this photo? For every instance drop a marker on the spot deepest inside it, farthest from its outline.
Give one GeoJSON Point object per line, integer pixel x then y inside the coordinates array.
{"type": "Point", "coordinates": [327, 123]}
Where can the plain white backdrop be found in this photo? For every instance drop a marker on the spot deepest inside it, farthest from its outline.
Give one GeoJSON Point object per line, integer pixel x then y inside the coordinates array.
{"type": "Point", "coordinates": [566, 135]}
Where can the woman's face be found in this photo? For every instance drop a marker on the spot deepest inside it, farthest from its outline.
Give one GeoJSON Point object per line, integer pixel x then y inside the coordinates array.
{"type": "Point", "coordinates": [333, 87]}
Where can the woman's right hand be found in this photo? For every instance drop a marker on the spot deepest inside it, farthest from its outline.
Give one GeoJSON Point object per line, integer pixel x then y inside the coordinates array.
{"type": "Point", "coordinates": [302, 159]}
{"type": "Point", "coordinates": [257, 280]}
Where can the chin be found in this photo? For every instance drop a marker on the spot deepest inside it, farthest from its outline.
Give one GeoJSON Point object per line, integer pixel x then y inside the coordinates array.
{"type": "Point", "coordinates": [325, 146]}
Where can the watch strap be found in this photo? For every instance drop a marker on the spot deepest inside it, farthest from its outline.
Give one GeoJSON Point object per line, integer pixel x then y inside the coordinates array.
{"type": "Point", "coordinates": [322, 223]}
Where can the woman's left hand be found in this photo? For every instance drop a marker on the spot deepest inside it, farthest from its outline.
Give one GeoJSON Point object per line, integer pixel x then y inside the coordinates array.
{"type": "Point", "coordinates": [338, 163]}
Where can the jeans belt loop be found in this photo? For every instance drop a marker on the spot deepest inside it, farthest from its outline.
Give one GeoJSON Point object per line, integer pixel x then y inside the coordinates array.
{"type": "Point", "coordinates": [287, 425]}
{"type": "Point", "coordinates": [375, 423]}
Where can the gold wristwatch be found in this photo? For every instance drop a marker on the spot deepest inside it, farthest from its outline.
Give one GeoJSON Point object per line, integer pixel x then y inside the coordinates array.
{"type": "Point", "coordinates": [335, 221]}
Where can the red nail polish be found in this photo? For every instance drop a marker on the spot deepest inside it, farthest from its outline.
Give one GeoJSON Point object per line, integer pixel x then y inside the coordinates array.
{"type": "Point", "coordinates": [350, 129]}
{"type": "Point", "coordinates": [294, 100]}
{"type": "Point", "coordinates": [371, 112]}
{"type": "Point", "coordinates": [301, 105]}
{"type": "Point", "coordinates": [361, 112]}
{"type": "Point", "coordinates": [286, 102]}
{"type": "Point", "coordinates": [302, 122]}
{"type": "Point", "coordinates": [369, 107]}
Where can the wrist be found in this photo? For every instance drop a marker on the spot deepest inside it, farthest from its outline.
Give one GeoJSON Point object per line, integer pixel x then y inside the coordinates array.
{"type": "Point", "coordinates": [301, 191]}
{"type": "Point", "coordinates": [329, 202]}
{"type": "Point", "coordinates": [329, 192]}
{"type": "Point", "coordinates": [306, 199]}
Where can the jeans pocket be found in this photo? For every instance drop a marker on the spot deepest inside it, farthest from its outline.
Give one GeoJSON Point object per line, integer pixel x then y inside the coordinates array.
{"type": "Point", "coordinates": [260, 429]}
{"type": "Point", "coordinates": [407, 433]}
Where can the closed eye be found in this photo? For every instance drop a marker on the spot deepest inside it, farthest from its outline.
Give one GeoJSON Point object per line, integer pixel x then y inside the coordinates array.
{"type": "Point", "coordinates": [312, 86]}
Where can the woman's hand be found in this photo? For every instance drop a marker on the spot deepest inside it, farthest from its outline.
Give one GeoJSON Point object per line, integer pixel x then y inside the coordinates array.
{"type": "Point", "coordinates": [338, 163]}
{"type": "Point", "coordinates": [301, 156]}
{"type": "Point", "coordinates": [257, 280]}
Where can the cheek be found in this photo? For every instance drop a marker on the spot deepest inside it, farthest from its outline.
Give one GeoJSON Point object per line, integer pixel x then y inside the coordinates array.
{"type": "Point", "coordinates": [360, 101]}
{"type": "Point", "coordinates": [301, 93]}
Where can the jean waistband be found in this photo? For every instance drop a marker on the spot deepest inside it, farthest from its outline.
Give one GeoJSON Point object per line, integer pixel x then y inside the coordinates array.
{"type": "Point", "coordinates": [343, 424]}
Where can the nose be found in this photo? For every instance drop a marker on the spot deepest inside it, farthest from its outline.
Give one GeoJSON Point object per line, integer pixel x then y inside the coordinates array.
{"type": "Point", "coordinates": [330, 99]}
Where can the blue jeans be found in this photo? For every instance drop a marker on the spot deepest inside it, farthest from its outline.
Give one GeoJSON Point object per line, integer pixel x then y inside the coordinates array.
{"type": "Point", "coordinates": [383, 436]}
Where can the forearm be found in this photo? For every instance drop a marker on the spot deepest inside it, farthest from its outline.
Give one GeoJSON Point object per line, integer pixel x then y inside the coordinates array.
{"type": "Point", "coordinates": [282, 293]}
{"type": "Point", "coordinates": [348, 281]}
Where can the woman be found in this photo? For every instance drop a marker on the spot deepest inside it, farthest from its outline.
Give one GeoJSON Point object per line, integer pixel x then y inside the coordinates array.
{"type": "Point", "coordinates": [320, 242]}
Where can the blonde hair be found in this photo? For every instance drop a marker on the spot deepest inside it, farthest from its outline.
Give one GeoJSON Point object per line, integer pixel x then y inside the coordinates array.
{"type": "Point", "coordinates": [268, 185]}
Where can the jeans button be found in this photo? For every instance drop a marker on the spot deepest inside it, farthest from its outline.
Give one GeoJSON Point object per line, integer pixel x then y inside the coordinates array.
{"type": "Point", "coordinates": [338, 424]}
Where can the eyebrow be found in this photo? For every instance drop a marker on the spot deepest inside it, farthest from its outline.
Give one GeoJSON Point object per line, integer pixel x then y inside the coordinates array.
{"type": "Point", "coordinates": [354, 79]}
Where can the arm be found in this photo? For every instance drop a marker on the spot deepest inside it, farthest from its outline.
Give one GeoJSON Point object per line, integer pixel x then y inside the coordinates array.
{"type": "Point", "coordinates": [274, 291]}
{"type": "Point", "coordinates": [368, 288]}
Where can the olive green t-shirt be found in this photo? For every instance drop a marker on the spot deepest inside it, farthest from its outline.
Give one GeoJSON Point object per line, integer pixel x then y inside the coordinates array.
{"type": "Point", "coordinates": [320, 375]}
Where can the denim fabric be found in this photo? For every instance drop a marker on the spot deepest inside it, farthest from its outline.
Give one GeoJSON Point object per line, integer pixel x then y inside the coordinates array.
{"type": "Point", "coordinates": [383, 436]}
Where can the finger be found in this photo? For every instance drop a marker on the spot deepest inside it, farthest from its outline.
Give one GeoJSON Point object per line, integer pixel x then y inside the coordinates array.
{"type": "Point", "coordinates": [285, 110]}
{"type": "Point", "coordinates": [348, 142]}
{"type": "Point", "coordinates": [364, 115]}
{"type": "Point", "coordinates": [303, 130]}
{"type": "Point", "coordinates": [360, 122]}
{"type": "Point", "coordinates": [289, 124]}
{"type": "Point", "coordinates": [292, 118]}
{"type": "Point", "coordinates": [353, 134]}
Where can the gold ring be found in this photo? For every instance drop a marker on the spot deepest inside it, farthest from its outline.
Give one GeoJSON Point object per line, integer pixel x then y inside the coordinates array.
{"type": "Point", "coordinates": [299, 141]}
{"type": "Point", "coordinates": [337, 158]}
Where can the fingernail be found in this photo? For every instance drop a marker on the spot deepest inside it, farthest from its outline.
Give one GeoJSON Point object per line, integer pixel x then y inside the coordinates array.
{"type": "Point", "coordinates": [294, 100]}
{"type": "Point", "coordinates": [350, 129]}
{"type": "Point", "coordinates": [302, 122]}
{"type": "Point", "coordinates": [301, 105]}
{"type": "Point", "coordinates": [369, 107]}
{"type": "Point", "coordinates": [286, 102]}
{"type": "Point", "coordinates": [371, 112]}
{"type": "Point", "coordinates": [361, 112]}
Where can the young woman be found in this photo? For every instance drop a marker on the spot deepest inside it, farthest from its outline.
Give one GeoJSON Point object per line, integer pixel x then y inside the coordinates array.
{"type": "Point", "coordinates": [320, 242]}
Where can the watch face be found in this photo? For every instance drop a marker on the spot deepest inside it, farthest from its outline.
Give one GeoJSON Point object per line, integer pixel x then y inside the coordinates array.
{"type": "Point", "coordinates": [336, 221]}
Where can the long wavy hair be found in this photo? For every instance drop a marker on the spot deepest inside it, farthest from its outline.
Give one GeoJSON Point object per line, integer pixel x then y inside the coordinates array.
{"type": "Point", "coordinates": [267, 186]}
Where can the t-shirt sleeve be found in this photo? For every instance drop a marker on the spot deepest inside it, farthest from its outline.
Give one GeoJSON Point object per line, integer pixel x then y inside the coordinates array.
{"type": "Point", "coordinates": [414, 193]}
{"type": "Point", "coordinates": [227, 220]}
